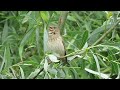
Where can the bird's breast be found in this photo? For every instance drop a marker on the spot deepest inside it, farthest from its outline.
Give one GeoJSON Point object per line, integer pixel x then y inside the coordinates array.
{"type": "Point", "coordinates": [56, 46]}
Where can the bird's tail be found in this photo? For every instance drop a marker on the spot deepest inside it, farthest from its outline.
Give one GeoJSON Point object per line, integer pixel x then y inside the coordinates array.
{"type": "Point", "coordinates": [65, 60]}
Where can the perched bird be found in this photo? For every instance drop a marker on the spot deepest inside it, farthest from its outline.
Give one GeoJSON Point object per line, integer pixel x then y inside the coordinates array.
{"type": "Point", "coordinates": [55, 43]}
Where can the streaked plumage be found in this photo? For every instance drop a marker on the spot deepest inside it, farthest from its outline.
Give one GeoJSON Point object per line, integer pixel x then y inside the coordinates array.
{"type": "Point", "coordinates": [55, 43]}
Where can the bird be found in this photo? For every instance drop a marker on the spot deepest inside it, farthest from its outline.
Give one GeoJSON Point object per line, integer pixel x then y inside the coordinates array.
{"type": "Point", "coordinates": [55, 43]}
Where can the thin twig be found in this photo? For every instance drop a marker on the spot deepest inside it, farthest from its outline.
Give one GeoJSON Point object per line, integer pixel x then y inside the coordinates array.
{"type": "Point", "coordinates": [62, 19]}
{"type": "Point", "coordinates": [105, 34]}
{"type": "Point", "coordinates": [73, 53]}
{"type": "Point", "coordinates": [38, 73]}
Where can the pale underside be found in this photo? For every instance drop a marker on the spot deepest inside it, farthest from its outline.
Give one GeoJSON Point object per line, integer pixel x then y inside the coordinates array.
{"type": "Point", "coordinates": [56, 47]}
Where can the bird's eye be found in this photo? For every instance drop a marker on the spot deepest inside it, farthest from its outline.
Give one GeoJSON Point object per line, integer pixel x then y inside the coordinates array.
{"type": "Point", "coordinates": [50, 27]}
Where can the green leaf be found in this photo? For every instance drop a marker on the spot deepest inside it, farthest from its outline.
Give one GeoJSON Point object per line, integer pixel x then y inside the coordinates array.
{"type": "Point", "coordinates": [27, 17]}
{"type": "Point", "coordinates": [74, 73]}
{"type": "Point", "coordinates": [52, 71]}
{"type": "Point", "coordinates": [71, 18]}
{"type": "Point", "coordinates": [22, 73]}
{"type": "Point", "coordinates": [33, 74]}
{"type": "Point", "coordinates": [84, 39]}
{"type": "Point", "coordinates": [13, 73]}
{"type": "Point", "coordinates": [114, 66]}
{"type": "Point", "coordinates": [20, 52]}
{"type": "Point", "coordinates": [108, 46]}
{"type": "Point", "coordinates": [45, 38]}
{"type": "Point", "coordinates": [71, 43]}
{"type": "Point", "coordinates": [111, 55]}
{"type": "Point", "coordinates": [7, 58]}
{"type": "Point", "coordinates": [2, 64]}
{"type": "Point", "coordinates": [45, 15]}
{"type": "Point", "coordinates": [104, 76]}
{"type": "Point", "coordinates": [5, 32]}
{"type": "Point", "coordinates": [78, 17]}
{"type": "Point", "coordinates": [53, 58]}
{"type": "Point", "coordinates": [96, 33]}
{"type": "Point", "coordinates": [26, 37]}
{"type": "Point", "coordinates": [97, 63]}
{"type": "Point", "coordinates": [24, 41]}
{"type": "Point", "coordinates": [46, 65]}
{"type": "Point", "coordinates": [60, 73]}
{"type": "Point", "coordinates": [73, 57]}
{"type": "Point", "coordinates": [38, 41]}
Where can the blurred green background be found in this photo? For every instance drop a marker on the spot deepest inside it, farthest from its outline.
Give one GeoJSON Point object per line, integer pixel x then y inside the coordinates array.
{"type": "Point", "coordinates": [92, 41]}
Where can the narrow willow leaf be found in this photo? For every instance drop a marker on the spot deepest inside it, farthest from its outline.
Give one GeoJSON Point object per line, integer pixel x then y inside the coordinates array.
{"type": "Point", "coordinates": [7, 58]}
{"type": "Point", "coordinates": [114, 65]}
{"type": "Point", "coordinates": [66, 72]}
{"type": "Point", "coordinates": [24, 41]}
{"type": "Point", "coordinates": [71, 18]}
{"type": "Point", "coordinates": [2, 64]}
{"type": "Point", "coordinates": [111, 55]}
{"type": "Point", "coordinates": [27, 64]}
{"type": "Point", "coordinates": [27, 37]}
{"type": "Point", "coordinates": [108, 46]}
{"type": "Point", "coordinates": [51, 13]}
{"type": "Point", "coordinates": [27, 16]}
{"type": "Point", "coordinates": [53, 58]}
{"type": "Point", "coordinates": [45, 38]}
{"type": "Point", "coordinates": [85, 45]}
{"type": "Point", "coordinates": [46, 65]}
{"type": "Point", "coordinates": [97, 62]}
{"type": "Point", "coordinates": [45, 15]}
{"type": "Point", "coordinates": [5, 32]}
{"type": "Point", "coordinates": [74, 73]}
{"type": "Point", "coordinates": [97, 73]}
{"type": "Point", "coordinates": [20, 52]}
{"type": "Point", "coordinates": [61, 73]}
{"type": "Point", "coordinates": [72, 41]}
{"type": "Point", "coordinates": [47, 76]}
{"type": "Point", "coordinates": [78, 17]}
{"type": "Point", "coordinates": [3, 76]}
{"type": "Point", "coordinates": [72, 57]}
{"type": "Point", "coordinates": [22, 73]}
{"type": "Point", "coordinates": [96, 33]}
{"type": "Point", "coordinates": [118, 77]}
{"type": "Point", "coordinates": [38, 40]}
{"type": "Point", "coordinates": [84, 39]}
{"type": "Point", "coordinates": [13, 72]}
{"type": "Point", "coordinates": [8, 39]}
{"type": "Point", "coordinates": [33, 74]}
{"type": "Point", "coordinates": [102, 60]}
{"type": "Point", "coordinates": [50, 17]}
{"type": "Point", "coordinates": [52, 71]}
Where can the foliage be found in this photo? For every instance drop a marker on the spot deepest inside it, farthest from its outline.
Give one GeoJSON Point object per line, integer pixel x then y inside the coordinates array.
{"type": "Point", "coordinates": [23, 43]}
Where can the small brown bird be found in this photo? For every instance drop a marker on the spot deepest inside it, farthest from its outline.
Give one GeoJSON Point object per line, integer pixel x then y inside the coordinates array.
{"type": "Point", "coordinates": [55, 43]}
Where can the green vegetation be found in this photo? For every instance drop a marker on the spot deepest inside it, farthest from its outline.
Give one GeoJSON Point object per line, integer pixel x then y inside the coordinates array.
{"type": "Point", "coordinates": [92, 41]}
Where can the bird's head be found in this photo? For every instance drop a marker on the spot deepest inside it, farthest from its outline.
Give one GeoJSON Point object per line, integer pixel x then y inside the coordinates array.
{"type": "Point", "coordinates": [53, 31]}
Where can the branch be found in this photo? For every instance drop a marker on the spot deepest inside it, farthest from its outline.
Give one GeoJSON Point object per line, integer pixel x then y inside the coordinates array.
{"type": "Point", "coordinates": [62, 19]}
{"type": "Point", "coordinates": [38, 73]}
{"type": "Point", "coordinates": [73, 53]}
{"type": "Point", "coordinates": [105, 34]}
